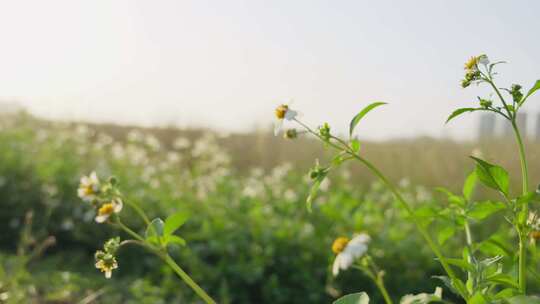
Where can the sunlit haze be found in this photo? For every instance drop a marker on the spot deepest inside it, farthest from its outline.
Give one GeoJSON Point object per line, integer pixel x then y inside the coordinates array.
{"type": "Point", "coordinates": [227, 64]}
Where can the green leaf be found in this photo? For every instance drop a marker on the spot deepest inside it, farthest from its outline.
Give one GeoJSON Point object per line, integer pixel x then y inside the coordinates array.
{"type": "Point", "coordinates": [460, 263]}
{"type": "Point", "coordinates": [452, 198]}
{"type": "Point", "coordinates": [469, 185]}
{"type": "Point", "coordinates": [524, 300]}
{"type": "Point", "coordinates": [482, 210]}
{"type": "Point", "coordinates": [355, 145]}
{"type": "Point", "coordinates": [175, 221]}
{"type": "Point", "coordinates": [174, 239]}
{"type": "Point", "coordinates": [460, 111]}
{"type": "Point", "coordinates": [356, 119]}
{"type": "Point", "coordinates": [504, 279]}
{"type": "Point", "coordinates": [314, 190]}
{"type": "Point", "coordinates": [354, 298]}
{"type": "Point", "coordinates": [154, 230]}
{"type": "Point", "coordinates": [477, 298]}
{"type": "Point", "coordinates": [492, 176]}
{"type": "Point", "coordinates": [535, 88]}
{"type": "Point", "coordinates": [506, 293]}
{"type": "Point", "coordinates": [446, 233]}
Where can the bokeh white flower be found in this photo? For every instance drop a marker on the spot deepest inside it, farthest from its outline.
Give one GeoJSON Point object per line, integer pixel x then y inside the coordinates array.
{"type": "Point", "coordinates": [348, 251]}
{"type": "Point", "coordinates": [283, 112]}
{"type": "Point", "coordinates": [108, 209]}
{"type": "Point", "coordinates": [88, 187]}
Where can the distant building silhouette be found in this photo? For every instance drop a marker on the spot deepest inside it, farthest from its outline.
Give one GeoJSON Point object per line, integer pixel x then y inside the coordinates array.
{"type": "Point", "coordinates": [486, 128]}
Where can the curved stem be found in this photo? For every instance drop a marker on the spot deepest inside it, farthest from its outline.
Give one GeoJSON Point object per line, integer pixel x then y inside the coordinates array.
{"type": "Point", "coordinates": [187, 279]}
{"type": "Point", "coordinates": [411, 213]}
{"type": "Point", "coordinates": [402, 201]}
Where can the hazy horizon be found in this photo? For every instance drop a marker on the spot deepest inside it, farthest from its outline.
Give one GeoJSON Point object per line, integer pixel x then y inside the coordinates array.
{"type": "Point", "coordinates": [226, 65]}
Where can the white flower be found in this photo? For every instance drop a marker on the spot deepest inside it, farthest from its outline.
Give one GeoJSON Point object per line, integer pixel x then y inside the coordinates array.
{"type": "Point", "coordinates": [348, 251]}
{"type": "Point", "coordinates": [283, 112]}
{"type": "Point", "coordinates": [107, 209]}
{"type": "Point", "coordinates": [88, 187]}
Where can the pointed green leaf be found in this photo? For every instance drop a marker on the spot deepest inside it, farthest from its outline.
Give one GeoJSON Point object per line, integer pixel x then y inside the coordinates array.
{"type": "Point", "coordinates": [535, 88]}
{"type": "Point", "coordinates": [446, 233]}
{"type": "Point", "coordinates": [504, 279]}
{"type": "Point", "coordinates": [175, 221]}
{"type": "Point", "coordinates": [174, 239]}
{"type": "Point", "coordinates": [468, 186]}
{"type": "Point", "coordinates": [460, 111]}
{"type": "Point", "coordinates": [353, 298]}
{"type": "Point", "coordinates": [492, 176]}
{"type": "Point", "coordinates": [355, 145]}
{"type": "Point", "coordinates": [356, 119]}
{"type": "Point", "coordinates": [524, 300]}
{"type": "Point", "coordinates": [482, 210]}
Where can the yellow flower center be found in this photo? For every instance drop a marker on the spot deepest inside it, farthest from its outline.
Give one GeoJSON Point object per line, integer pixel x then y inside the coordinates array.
{"type": "Point", "coordinates": [106, 209]}
{"type": "Point", "coordinates": [471, 64]}
{"type": "Point", "coordinates": [339, 244]}
{"type": "Point", "coordinates": [88, 190]}
{"type": "Point", "coordinates": [281, 110]}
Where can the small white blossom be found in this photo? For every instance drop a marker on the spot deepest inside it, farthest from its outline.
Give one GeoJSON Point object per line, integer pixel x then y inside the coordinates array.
{"type": "Point", "coordinates": [283, 112]}
{"type": "Point", "coordinates": [349, 251]}
{"type": "Point", "coordinates": [88, 187]}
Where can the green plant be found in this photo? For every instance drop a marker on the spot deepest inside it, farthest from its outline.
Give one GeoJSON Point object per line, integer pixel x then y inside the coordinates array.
{"type": "Point", "coordinates": [108, 201]}
{"type": "Point", "coordinates": [486, 281]}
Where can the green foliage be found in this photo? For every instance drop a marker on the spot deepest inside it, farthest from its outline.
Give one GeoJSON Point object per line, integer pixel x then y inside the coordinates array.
{"type": "Point", "coordinates": [356, 119]}
{"type": "Point", "coordinates": [355, 298]}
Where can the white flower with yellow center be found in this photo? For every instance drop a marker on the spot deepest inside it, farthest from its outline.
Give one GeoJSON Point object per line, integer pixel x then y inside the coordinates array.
{"type": "Point", "coordinates": [347, 251]}
{"type": "Point", "coordinates": [107, 209]}
{"type": "Point", "coordinates": [283, 112]}
{"type": "Point", "coordinates": [88, 187]}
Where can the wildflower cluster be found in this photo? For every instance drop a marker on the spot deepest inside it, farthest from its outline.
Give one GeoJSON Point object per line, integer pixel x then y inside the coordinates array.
{"type": "Point", "coordinates": [105, 259]}
{"type": "Point", "coordinates": [472, 70]}
{"type": "Point", "coordinates": [104, 198]}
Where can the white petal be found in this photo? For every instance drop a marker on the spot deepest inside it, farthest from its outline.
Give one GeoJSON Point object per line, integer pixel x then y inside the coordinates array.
{"type": "Point", "coordinates": [360, 238]}
{"type": "Point", "coordinates": [118, 205]}
{"type": "Point", "coordinates": [290, 114]}
{"type": "Point", "coordinates": [345, 261]}
{"type": "Point", "coordinates": [335, 266]}
{"type": "Point", "coordinates": [277, 126]}
{"type": "Point", "coordinates": [94, 178]}
{"type": "Point", "coordinates": [108, 274]}
{"type": "Point", "coordinates": [102, 218]}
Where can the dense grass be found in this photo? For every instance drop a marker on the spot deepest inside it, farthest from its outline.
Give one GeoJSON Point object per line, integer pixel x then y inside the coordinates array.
{"type": "Point", "coordinates": [250, 240]}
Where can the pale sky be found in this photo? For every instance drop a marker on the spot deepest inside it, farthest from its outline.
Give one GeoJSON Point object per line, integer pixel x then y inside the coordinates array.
{"type": "Point", "coordinates": [227, 64]}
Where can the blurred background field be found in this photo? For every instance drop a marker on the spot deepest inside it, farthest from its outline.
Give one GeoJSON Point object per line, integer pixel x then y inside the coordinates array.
{"type": "Point", "coordinates": [250, 239]}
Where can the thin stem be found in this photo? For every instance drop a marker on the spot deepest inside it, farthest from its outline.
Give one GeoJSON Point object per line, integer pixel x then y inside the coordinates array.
{"type": "Point", "coordinates": [522, 280]}
{"type": "Point", "coordinates": [468, 237]}
{"type": "Point", "coordinates": [128, 230]}
{"type": "Point", "coordinates": [187, 279]}
{"type": "Point", "coordinates": [139, 211]}
{"type": "Point", "coordinates": [380, 284]}
{"type": "Point", "coordinates": [411, 213]}
{"type": "Point", "coordinates": [402, 201]}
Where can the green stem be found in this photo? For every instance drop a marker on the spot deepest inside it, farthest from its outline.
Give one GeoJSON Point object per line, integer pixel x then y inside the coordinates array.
{"type": "Point", "coordinates": [468, 237]}
{"type": "Point", "coordinates": [420, 228]}
{"type": "Point", "coordinates": [398, 196]}
{"type": "Point", "coordinates": [187, 279]}
{"type": "Point", "coordinates": [522, 280]}
{"type": "Point", "coordinates": [167, 258]}
{"type": "Point", "coordinates": [384, 292]}
{"type": "Point", "coordinates": [139, 211]}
